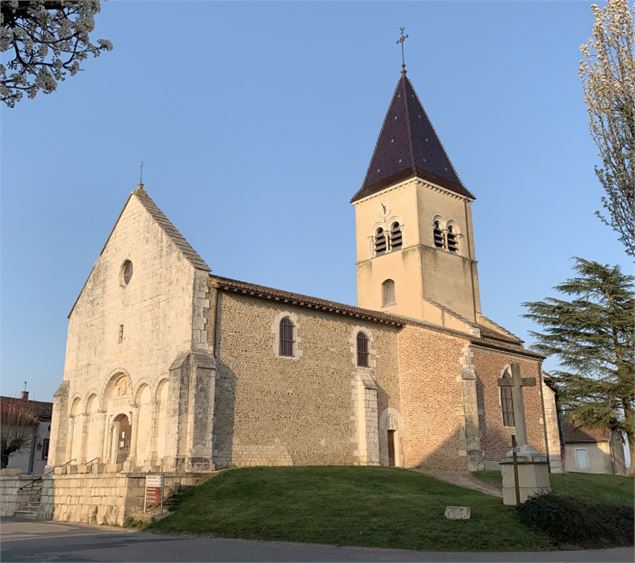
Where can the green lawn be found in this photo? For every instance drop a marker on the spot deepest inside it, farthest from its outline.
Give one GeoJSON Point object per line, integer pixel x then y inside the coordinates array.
{"type": "Point", "coordinates": [600, 489]}
{"type": "Point", "coordinates": [369, 506]}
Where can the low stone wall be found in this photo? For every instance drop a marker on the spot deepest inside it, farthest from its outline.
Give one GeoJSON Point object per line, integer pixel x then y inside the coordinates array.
{"type": "Point", "coordinates": [11, 492]}
{"type": "Point", "coordinates": [102, 498]}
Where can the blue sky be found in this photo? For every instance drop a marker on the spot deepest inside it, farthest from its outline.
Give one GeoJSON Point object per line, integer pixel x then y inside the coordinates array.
{"type": "Point", "coordinates": [256, 122]}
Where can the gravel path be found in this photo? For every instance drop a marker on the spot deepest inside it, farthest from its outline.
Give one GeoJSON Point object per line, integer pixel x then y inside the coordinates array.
{"type": "Point", "coordinates": [465, 480]}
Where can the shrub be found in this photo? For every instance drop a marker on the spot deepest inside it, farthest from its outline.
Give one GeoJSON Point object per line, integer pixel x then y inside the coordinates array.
{"type": "Point", "coordinates": [570, 521]}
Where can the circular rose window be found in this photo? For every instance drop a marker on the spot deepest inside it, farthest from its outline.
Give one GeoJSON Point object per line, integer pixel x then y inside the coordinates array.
{"type": "Point", "coordinates": [126, 272]}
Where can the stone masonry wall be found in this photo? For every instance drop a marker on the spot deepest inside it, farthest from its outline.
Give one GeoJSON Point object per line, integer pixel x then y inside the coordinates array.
{"type": "Point", "coordinates": [496, 438]}
{"type": "Point", "coordinates": [273, 410]}
{"type": "Point", "coordinates": [432, 398]}
{"type": "Point", "coordinates": [12, 493]}
{"type": "Point", "coordinates": [137, 328]}
{"type": "Point", "coordinates": [101, 498]}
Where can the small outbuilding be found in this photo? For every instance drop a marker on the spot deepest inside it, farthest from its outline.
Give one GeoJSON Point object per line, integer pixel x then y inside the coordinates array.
{"type": "Point", "coordinates": [593, 450]}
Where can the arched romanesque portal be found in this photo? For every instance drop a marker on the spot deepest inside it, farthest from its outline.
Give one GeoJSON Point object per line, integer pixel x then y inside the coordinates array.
{"type": "Point", "coordinates": [121, 438]}
{"type": "Point", "coordinates": [117, 405]}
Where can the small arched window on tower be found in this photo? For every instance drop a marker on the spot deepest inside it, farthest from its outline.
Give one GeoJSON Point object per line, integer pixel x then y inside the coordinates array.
{"type": "Point", "coordinates": [380, 241]}
{"type": "Point", "coordinates": [453, 243]}
{"type": "Point", "coordinates": [286, 337]}
{"type": "Point", "coordinates": [396, 238]}
{"type": "Point", "coordinates": [363, 352]}
{"type": "Point", "coordinates": [387, 293]}
{"type": "Point", "coordinates": [507, 400]}
{"type": "Point", "coordinates": [437, 235]}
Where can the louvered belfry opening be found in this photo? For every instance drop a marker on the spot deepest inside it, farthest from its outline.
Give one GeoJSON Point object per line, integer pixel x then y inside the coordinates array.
{"type": "Point", "coordinates": [396, 238]}
{"type": "Point", "coordinates": [363, 352]}
{"type": "Point", "coordinates": [438, 235]}
{"type": "Point", "coordinates": [507, 403]}
{"type": "Point", "coordinates": [453, 245]}
{"type": "Point", "coordinates": [286, 337]}
{"type": "Point", "coordinates": [380, 241]}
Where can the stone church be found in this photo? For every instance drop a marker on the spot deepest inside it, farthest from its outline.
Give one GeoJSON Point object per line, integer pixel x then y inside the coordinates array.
{"type": "Point", "coordinates": [171, 367]}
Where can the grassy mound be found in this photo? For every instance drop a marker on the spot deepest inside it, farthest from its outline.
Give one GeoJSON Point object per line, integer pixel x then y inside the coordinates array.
{"type": "Point", "coordinates": [595, 489]}
{"type": "Point", "coordinates": [367, 506]}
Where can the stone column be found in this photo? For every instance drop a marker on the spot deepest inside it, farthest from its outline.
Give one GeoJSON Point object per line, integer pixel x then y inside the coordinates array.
{"type": "Point", "coordinates": [151, 450]}
{"type": "Point", "coordinates": [132, 453]}
{"type": "Point", "coordinates": [99, 437]}
{"type": "Point", "coordinates": [82, 425]}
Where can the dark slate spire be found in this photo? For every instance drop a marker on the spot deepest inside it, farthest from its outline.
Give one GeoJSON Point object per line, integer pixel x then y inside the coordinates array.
{"type": "Point", "coordinates": [407, 147]}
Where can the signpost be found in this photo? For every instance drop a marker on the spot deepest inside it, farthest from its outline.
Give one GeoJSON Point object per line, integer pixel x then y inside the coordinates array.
{"type": "Point", "coordinates": [154, 492]}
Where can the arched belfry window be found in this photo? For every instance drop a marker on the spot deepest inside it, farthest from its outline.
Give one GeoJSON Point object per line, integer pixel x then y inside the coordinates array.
{"type": "Point", "coordinates": [396, 238]}
{"type": "Point", "coordinates": [363, 350]}
{"type": "Point", "coordinates": [453, 243]}
{"type": "Point", "coordinates": [380, 241]}
{"type": "Point", "coordinates": [507, 401]}
{"type": "Point", "coordinates": [437, 235]}
{"type": "Point", "coordinates": [388, 293]}
{"type": "Point", "coordinates": [286, 337]}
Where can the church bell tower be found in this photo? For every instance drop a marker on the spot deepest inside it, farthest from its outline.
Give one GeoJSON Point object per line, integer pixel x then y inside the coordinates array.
{"type": "Point", "coordinates": [415, 245]}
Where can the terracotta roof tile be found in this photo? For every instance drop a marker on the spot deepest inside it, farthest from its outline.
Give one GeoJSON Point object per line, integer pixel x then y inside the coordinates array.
{"type": "Point", "coordinates": [307, 301]}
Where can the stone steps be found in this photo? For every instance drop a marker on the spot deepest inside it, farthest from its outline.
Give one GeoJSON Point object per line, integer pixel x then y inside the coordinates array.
{"type": "Point", "coordinates": [30, 505]}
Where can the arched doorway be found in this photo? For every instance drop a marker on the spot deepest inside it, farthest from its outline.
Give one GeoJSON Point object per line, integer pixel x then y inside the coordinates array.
{"type": "Point", "coordinates": [121, 430]}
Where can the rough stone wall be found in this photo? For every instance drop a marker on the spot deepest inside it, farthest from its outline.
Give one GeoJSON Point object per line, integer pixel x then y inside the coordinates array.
{"type": "Point", "coordinates": [496, 438]}
{"type": "Point", "coordinates": [273, 410]}
{"type": "Point", "coordinates": [137, 329]}
{"type": "Point", "coordinates": [432, 398]}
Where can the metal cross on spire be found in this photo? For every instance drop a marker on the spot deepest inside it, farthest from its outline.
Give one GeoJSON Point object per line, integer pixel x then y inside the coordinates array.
{"type": "Point", "coordinates": [141, 172]}
{"type": "Point", "coordinates": [402, 39]}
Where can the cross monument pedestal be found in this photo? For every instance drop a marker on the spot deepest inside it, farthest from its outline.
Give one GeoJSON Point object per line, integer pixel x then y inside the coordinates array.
{"type": "Point", "coordinates": [525, 471]}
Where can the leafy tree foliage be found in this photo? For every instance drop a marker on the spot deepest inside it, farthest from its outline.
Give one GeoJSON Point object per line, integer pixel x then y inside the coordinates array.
{"type": "Point", "coordinates": [17, 426]}
{"type": "Point", "coordinates": [608, 78]}
{"type": "Point", "coordinates": [590, 332]}
{"type": "Point", "coordinates": [46, 41]}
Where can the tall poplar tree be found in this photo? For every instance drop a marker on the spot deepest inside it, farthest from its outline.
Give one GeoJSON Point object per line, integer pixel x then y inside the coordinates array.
{"type": "Point", "coordinates": [589, 330]}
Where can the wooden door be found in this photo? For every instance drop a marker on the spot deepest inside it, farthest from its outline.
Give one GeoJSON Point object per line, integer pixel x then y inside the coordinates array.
{"type": "Point", "coordinates": [391, 448]}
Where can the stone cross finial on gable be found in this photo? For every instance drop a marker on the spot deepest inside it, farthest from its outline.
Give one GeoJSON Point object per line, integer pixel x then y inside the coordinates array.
{"type": "Point", "coordinates": [517, 382]}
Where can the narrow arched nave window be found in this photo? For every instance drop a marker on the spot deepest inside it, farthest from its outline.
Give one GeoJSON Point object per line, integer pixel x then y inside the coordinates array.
{"type": "Point", "coordinates": [286, 337]}
{"type": "Point", "coordinates": [363, 350]}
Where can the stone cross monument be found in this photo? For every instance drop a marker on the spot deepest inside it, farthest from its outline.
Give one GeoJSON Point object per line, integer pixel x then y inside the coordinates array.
{"type": "Point", "coordinates": [531, 466]}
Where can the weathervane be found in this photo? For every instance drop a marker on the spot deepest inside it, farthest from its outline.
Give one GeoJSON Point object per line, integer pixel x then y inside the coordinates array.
{"type": "Point", "coordinates": [402, 40]}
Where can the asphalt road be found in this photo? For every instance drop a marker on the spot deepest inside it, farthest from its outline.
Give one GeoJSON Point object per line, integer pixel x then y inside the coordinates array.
{"type": "Point", "coordinates": [53, 541]}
